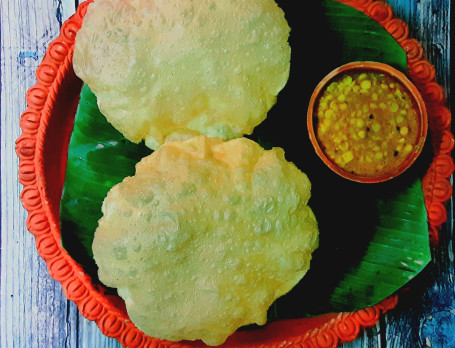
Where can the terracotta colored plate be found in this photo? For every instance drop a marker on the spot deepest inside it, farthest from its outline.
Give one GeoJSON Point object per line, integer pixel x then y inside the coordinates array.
{"type": "Point", "coordinates": [42, 149]}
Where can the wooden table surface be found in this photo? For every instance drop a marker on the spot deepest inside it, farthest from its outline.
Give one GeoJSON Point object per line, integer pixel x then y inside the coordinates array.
{"type": "Point", "coordinates": [34, 311]}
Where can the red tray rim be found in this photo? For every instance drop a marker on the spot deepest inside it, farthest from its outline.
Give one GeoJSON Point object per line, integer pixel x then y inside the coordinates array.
{"type": "Point", "coordinates": [323, 331]}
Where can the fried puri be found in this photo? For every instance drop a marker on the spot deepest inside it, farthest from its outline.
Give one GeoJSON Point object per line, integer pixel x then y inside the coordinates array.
{"type": "Point", "coordinates": [166, 69]}
{"type": "Point", "coordinates": [205, 236]}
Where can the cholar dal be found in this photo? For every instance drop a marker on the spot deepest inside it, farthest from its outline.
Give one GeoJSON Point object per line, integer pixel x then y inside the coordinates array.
{"type": "Point", "coordinates": [367, 123]}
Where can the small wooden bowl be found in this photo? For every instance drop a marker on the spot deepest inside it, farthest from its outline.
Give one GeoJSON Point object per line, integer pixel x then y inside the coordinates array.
{"type": "Point", "coordinates": [418, 105]}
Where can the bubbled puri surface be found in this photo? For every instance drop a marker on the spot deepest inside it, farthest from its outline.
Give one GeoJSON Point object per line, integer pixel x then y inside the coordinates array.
{"type": "Point", "coordinates": [173, 69]}
{"type": "Point", "coordinates": [205, 236]}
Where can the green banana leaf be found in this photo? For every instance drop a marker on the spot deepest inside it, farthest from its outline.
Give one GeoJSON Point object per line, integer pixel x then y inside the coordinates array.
{"type": "Point", "coordinates": [373, 238]}
{"type": "Point", "coordinates": [99, 157]}
{"type": "Point", "coordinates": [396, 252]}
{"type": "Point", "coordinates": [357, 33]}
{"type": "Point", "coordinates": [370, 244]}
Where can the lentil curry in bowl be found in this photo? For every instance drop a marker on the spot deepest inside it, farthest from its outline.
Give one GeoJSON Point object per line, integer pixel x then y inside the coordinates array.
{"type": "Point", "coordinates": [367, 121]}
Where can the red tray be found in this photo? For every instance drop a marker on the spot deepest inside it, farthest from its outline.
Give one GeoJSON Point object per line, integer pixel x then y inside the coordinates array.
{"type": "Point", "coordinates": [42, 149]}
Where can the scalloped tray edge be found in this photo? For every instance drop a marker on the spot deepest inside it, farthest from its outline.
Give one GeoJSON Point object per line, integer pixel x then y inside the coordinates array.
{"type": "Point", "coordinates": [324, 331]}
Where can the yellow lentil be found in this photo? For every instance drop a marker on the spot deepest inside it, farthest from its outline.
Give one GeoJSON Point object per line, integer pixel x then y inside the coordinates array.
{"type": "Point", "coordinates": [329, 113]}
{"type": "Point", "coordinates": [366, 84]}
{"type": "Point", "coordinates": [344, 146]}
{"type": "Point", "coordinates": [408, 148]}
{"type": "Point", "coordinates": [378, 155]}
{"type": "Point", "coordinates": [394, 107]}
{"type": "Point", "coordinates": [366, 123]}
{"type": "Point", "coordinates": [404, 130]}
{"type": "Point", "coordinates": [347, 156]}
{"type": "Point", "coordinates": [376, 127]}
{"type": "Point", "coordinates": [347, 79]}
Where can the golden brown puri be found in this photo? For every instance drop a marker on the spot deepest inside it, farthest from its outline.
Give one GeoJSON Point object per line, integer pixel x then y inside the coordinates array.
{"type": "Point", "coordinates": [205, 236]}
{"type": "Point", "coordinates": [174, 69]}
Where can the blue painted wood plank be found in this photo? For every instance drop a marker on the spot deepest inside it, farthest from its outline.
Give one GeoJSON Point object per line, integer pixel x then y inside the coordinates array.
{"type": "Point", "coordinates": [34, 312]}
{"type": "Point", "coordinates": [425, 315]}
{"type": "Point", "coordinates": [27, 292]}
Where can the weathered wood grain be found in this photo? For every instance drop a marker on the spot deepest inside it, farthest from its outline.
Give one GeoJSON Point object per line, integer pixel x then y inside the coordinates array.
{"type": "Point", "coordinates": [34, 312]}
{"type": "Point", "coordinates": [425, 316]}
{"type": "Point", "coordinates": [28, 294]}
